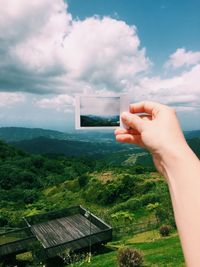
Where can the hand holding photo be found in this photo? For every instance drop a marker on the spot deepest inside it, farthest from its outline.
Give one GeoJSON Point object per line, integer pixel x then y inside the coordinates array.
{"type": "Point", "coordinates": [94, 112]}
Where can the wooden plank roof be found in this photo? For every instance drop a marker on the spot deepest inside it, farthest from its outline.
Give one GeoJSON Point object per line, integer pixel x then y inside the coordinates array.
{"type": "Point", "coordinates": [63, 230]}
{"type": "Point", "coordinates": [74, 228]}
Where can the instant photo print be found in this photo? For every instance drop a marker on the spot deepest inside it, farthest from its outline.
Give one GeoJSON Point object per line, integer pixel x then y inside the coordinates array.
{"type": "Point", "coordinates": [100, 112]}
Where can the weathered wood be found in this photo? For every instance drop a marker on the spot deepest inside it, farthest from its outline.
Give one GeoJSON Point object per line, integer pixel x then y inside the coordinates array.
{"type": "Point", "coordinates": [64, 230]}
{"type": "Point", "coordinates": [16, 247]}
{"type": "Point", "coordinates": [73, 230]}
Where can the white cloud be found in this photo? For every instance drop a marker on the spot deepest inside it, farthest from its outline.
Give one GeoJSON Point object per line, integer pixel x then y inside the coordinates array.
{"type": "Point", "coordinates": [43, 50]}
{"type": "Point", "coordinates": [183, 58]}
{"type": "Point", "coordinates": [181, 90]}
{"type": "Point", "coordinates": [10, 99]}
{"type": "Point", "coordinates": [60, 102]}
{"type": "Point", "coordinates": [103, 51]}
{"type": "Point", "coordinates": [99, 105]}
{"type": "Point", "coordinates": [46, 51]}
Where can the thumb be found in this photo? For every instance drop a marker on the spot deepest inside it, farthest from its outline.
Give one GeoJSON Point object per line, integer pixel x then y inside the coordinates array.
{"type": "Point", "coordinates": [133, 121]}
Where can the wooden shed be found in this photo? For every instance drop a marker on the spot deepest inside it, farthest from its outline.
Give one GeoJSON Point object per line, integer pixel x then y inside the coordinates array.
{"type": "Point", "coordinates": [72, 228]}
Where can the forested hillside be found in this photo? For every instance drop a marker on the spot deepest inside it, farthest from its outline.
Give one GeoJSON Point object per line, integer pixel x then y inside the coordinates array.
{"type": "Point", "coordinates": [34, 183]}
{"type": "Point", "coordinates": [44, 145]}
{"type": "Point", "coordinates": [121, 186]}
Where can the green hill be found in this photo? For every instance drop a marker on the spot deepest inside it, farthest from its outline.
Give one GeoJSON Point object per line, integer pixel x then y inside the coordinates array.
{"type": "Point", "coordinates": [15, 134]}
{"type": "Point", "coordinates": [43, 145]}
{"type": "Point", "coordinates": [128, 196]}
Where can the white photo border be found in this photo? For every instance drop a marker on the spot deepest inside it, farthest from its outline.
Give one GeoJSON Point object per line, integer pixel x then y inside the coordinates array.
{"type": "Point", "coordinates": [124, 106]}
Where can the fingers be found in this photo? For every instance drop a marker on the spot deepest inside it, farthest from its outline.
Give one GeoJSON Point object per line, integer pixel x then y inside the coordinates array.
{"type": "Point", "coordinates": [128, 138]}
{"type": "Point", "coordinates": [146, 117]}
{"type": "Point", "coordinates": [132, 121]}
{"type": "Point", "coordinates": [126, 131]}
{"type": "Point", "coordinates": [146, 106]}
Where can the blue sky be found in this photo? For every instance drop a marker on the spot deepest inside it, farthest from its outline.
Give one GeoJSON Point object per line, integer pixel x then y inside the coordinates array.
{"type": "Point", "coordinates": [163, 25]}
{"type": "Point", "coordinates": [53, 50]}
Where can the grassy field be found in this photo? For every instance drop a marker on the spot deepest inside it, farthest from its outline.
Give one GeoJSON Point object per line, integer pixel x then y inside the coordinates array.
{"type": "Point", "coordinates": [157, 251]}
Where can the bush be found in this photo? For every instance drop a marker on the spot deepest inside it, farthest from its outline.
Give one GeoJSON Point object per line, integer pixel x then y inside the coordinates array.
{"type": "Point", "coordinates": [165, 230]}
{"type": "Point", "coordinates": [30, 196]}
{"type": "Point", "coordinates": [129, 257]}
{"type": "Point", "coordinates": [3, 221]}
{"type": "Point", "coordinates": [131, 204]}
{"type": "Point", "coordinates": [149, 198]}
{"type": "Point", "coordinates": [83, 180]}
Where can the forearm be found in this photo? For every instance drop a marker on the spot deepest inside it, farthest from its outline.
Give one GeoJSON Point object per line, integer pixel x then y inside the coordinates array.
{"type": "Point", "coordinates": [182, 171]}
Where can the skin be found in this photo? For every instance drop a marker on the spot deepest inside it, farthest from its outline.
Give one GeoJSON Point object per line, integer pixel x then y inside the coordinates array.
{"type": "Point", "coordinates": [159, 132]}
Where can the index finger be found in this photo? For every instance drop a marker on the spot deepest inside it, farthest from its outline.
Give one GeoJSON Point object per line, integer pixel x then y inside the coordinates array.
{"type": "Point", "coordinates": [146, 107]}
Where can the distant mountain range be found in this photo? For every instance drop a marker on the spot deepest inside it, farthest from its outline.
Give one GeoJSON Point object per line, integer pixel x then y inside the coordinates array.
{"type": "Point", "coordinates": [44, 145]}
{"type": "Point", "coordinates": [40, 141]}
{"type": "Point", "coordinates": [15, 134]}
{"type": "Point", "coordinates": [97, 121]}
{"type": "Point", "coordinates": [192, 134]}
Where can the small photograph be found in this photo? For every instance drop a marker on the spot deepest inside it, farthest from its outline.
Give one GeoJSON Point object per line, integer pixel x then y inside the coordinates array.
{"type": "Point", "coordinates": [98, 111]}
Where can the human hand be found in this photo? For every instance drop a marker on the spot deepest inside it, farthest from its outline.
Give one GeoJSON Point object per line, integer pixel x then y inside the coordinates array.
{"type": "Point", "coordinates": [159, 131]}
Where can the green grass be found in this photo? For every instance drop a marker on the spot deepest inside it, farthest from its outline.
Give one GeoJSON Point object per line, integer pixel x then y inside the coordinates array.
{"type": "Point", "coordinates": [157, 251]}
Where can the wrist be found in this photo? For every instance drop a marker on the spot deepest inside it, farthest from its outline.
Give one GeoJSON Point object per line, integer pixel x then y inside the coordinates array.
{"type": "Point", "coordinates": [170, 158]}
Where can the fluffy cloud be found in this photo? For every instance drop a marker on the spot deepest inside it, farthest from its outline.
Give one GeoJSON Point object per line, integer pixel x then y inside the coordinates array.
{"type": "Point", "coordinates": [60, 102]}
{"type": "Point", "coordinates": [103, 51]}
{"type": "Point", "coordinates": [182, 91]}
{"type": "Point", "coordinates": [10, 99]}
{"type": "Point", "coordinates": [45, 51]}
{"type": "Point", "coordinates": [183, 58]}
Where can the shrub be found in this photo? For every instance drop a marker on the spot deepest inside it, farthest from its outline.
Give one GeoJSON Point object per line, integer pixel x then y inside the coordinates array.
{"type": "Point", "coordinates": [30, 196]}
{"type": "Point", "coordinates": [149, 198]}
{"type": "Point", "coordinates": [129, 257]}
{"type": "Point", "coordinates": [132, 204]}
{"type": "Point", "coordinates": [83, 180]}
{"type": "Point", "coordinates": [3, 221]}
{"type": "Point", "coordinates": [165, 230]}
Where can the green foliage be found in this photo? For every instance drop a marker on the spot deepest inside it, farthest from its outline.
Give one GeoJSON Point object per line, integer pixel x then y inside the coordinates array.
{"type": "Point", "coordinates": [149, 198]}
{"type": "Point", "coordinates": [38, 161]}
{"type": "Point", "coordinates": [129, 257]}
{"type": "Point", "coordinates": [38, 253]}
{"type": "Point", "coordinates": [31, 184]}
{"type": "Point", "coordinates": [145, 160]}
{"type": "Point", "coordinates": [139, 169]}
{"type": "Point", "coordinates": [153, 207]}
{"type": "Point", "coordinates": [30, 196]}
{"type": "Point", "coordinates": [3, 220]}
{"type": "Point", "coordinates": [112, 192]}
{"type": "Point", "coordinates": [132, 204]}
{"type": "Point", "coordinates": [7, 152]}
{"type": "Point", "coordinates": [164, 211]}
{"type": "Point", "coordinates": [83, 180]}
{"type": "Point", "coordinates": [147, 186]}
{"type": "Point", "coordinates": [122, 218]}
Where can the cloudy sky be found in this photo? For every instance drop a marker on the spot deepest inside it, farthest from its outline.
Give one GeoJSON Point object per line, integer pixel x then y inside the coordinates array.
{"type": "Point", "coordinates": [102, 106]}
{"type": "Point", "coordinates": [51, 50]}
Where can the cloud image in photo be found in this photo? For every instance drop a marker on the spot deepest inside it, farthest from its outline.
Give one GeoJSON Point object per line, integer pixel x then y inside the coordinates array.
{"type": "Point", "coordinates": [100, 106]}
